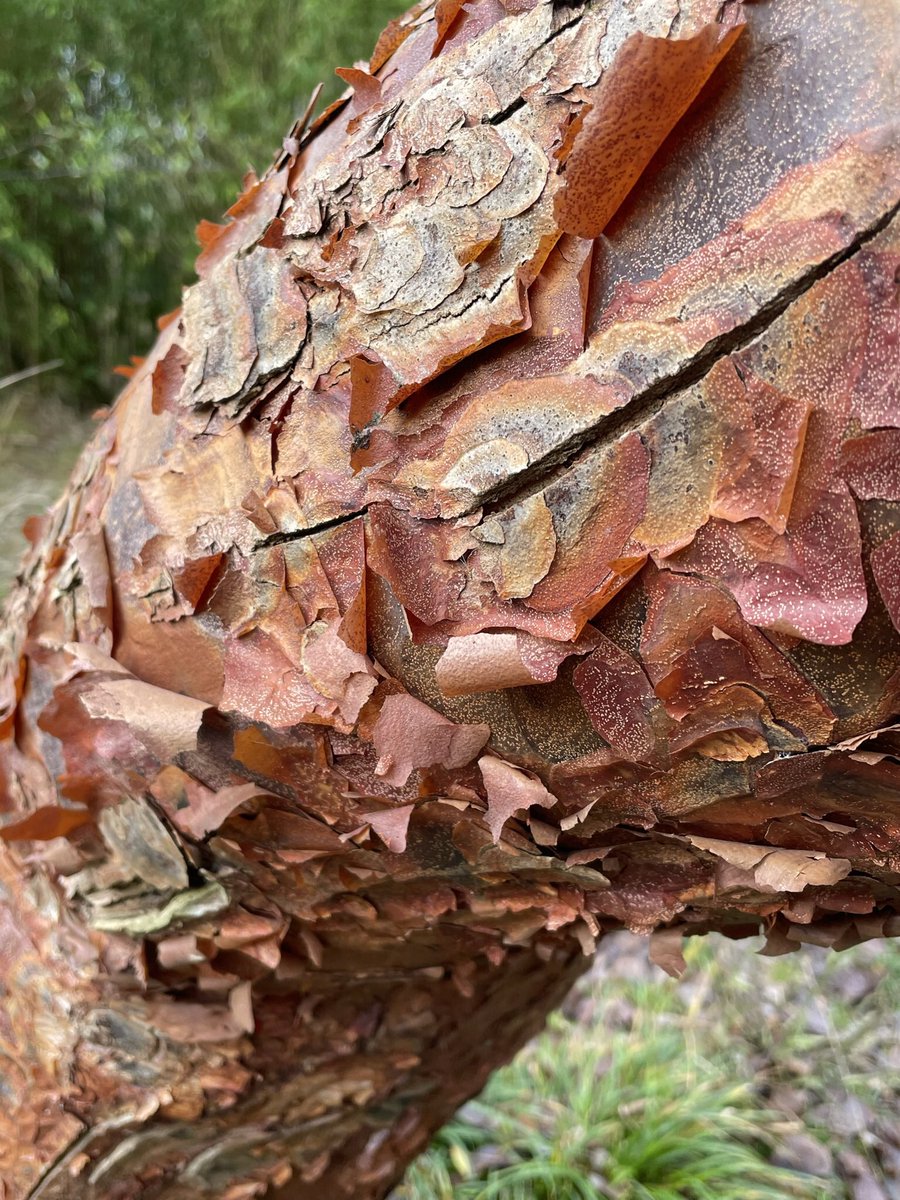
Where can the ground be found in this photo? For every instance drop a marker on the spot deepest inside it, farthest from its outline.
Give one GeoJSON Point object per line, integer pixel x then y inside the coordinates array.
{"type": "Point", "coordinates": [751, 1077]}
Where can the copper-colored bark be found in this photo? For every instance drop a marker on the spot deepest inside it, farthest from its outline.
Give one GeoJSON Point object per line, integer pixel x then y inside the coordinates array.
{"type": "Point", "coordinates": [447, 588]}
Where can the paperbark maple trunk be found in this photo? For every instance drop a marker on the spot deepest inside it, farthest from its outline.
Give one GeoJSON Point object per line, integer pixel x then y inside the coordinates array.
{"type": "Point", "coordinates": [500, 546]}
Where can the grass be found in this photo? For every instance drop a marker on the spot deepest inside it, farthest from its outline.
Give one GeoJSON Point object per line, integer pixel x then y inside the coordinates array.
{"type": "Point", "coordinates": [750, 1079]}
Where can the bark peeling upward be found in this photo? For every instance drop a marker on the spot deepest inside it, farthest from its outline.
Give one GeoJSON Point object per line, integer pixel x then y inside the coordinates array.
{"type": "Point", "coordinates": [500, 546]}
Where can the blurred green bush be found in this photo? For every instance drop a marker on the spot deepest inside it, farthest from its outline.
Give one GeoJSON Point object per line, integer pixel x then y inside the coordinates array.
{"type": "Point", "coordinates": [123, 123]}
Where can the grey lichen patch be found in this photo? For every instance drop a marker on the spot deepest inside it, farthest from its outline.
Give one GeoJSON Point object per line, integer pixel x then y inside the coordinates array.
{"type": "Point", "coordinates": [140, 843]}
{"type": "Point", "coordinates": [139, 919]}
{"type": "Point", "coordinates": [142, 886]}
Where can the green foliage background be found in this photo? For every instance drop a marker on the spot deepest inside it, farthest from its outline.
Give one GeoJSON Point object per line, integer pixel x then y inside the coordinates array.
{"type": "Point", "coordinates": [122, 123]}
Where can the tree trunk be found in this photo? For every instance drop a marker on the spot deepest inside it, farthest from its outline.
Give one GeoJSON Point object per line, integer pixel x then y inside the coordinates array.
{"type": "Point", "coordinates": [500, 546]}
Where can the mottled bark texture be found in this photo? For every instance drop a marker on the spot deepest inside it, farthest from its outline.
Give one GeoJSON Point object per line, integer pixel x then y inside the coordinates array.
{"type": "Point", "coordinates": [500, 546]}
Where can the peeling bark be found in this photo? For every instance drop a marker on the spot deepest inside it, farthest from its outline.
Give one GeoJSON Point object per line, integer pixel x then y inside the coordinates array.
{"type": "Point", "coordinates": [499, 547]}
